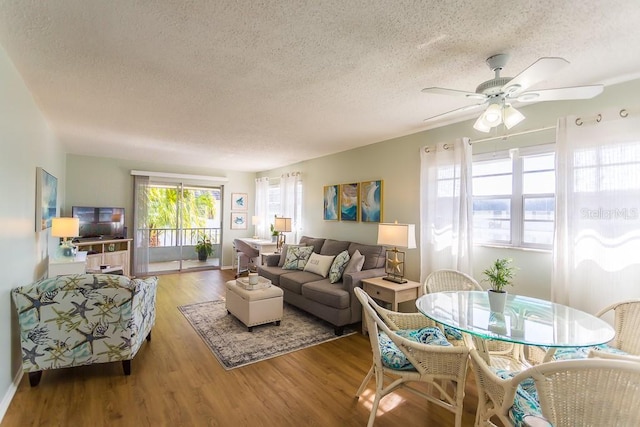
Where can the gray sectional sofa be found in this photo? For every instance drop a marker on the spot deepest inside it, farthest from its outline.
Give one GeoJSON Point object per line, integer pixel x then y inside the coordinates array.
{"type": "Point", "coordinates": [334, 302]}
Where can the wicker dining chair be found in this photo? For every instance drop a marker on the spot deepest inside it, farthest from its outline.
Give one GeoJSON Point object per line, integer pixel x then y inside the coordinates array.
{"type": "Point", "coordinates": [444, 367]}
{"type": "Point", "coordinates": [453, 280]}
{"type": "Point", "coordinates": [625, 344]}
{"type": "Point", "coordinates": [583, 392]}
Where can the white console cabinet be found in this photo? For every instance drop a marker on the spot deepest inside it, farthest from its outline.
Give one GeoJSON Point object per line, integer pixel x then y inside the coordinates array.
{"type": "Point", "coordinates": [75, 265]}
{"type": "Point", "coordinates": [116, 252]}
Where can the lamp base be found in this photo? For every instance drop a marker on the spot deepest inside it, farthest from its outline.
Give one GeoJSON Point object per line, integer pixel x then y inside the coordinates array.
{"type": "Point", "coordinates": [393, 279]}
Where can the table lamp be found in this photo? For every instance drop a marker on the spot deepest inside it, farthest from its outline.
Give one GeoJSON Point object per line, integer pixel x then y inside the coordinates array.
{"type": "Point", "coordinates": [255, 220]}
{"type": "Point", "coordinates": [65, 228]}
{"type": "Point", "coordinates": [281, 225]}
{"type": "Point", "coordinates": [397, 236]}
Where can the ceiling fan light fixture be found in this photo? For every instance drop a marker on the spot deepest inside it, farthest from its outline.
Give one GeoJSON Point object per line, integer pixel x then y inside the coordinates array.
{"type": "Point", "coordinates": [493, 115]}
{"type": "Point", "coordinates": [480, 125]}
{"type": "Point", "coordinates": [511, 116]}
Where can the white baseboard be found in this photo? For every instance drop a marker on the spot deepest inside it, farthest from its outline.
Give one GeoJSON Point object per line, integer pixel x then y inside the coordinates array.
{"type": "Point", "coordinates": [8, 396]}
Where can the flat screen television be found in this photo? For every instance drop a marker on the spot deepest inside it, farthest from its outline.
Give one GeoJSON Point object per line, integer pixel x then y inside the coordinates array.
{"type": "Point", "coordinates": [100, 222]}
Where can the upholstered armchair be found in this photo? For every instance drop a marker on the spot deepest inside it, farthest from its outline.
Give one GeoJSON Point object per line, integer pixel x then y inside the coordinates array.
{"type": "Point", "coordinates": [82, 319]}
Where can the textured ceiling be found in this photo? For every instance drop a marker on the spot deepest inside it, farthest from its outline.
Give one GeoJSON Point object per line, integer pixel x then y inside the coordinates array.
{"type": "Point", "coordinates": [253, 85]}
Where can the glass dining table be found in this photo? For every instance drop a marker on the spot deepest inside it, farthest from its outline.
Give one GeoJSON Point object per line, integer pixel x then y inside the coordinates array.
{"type": "Point", "coordinates": [525, 320]}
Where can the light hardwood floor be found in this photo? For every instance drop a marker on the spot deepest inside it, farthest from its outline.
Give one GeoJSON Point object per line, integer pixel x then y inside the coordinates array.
{"type": "Point", "coordinates": [176, 381]}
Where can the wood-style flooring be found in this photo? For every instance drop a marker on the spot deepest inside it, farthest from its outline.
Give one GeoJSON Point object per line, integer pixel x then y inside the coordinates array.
{"type": "Point", "coordinates": [176, 381]}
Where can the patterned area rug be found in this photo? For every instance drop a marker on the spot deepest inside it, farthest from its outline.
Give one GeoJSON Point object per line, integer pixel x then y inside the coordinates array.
{"type": "Point", "coordinates": [234, 346]}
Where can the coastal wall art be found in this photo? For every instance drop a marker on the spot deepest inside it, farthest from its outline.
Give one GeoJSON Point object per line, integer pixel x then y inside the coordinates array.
{"type": "Point", "coordinates": [371, 201]}
{"type": "Point", "coordinates": [330, 202]}
{"type": "Point", "coordinates": [46, 198]}
{"type": "Point", "coordinates": [349, 202]}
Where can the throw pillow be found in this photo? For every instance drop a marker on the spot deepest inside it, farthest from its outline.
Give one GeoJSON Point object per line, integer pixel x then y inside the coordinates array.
{"type": "Point", "coordinates": [355, 263]}
{"type": "Point", "coordinates": [319, 264]}
{"type": "Point", "coordinates": [337, 268]}
{"type": "Point", "coordinates": [297, 257]}
{"type": "Point", "coordinates": [283, 253]}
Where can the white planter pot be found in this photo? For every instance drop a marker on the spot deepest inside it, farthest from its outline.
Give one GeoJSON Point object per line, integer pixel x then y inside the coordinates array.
{"type": "Point", "coordinates": [497, 301]}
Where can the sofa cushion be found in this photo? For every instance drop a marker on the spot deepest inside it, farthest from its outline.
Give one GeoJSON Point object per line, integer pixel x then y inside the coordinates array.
{"type": "Point", "coordinates": [355, 263]}
{"type": "Point", "coordinates": [319, 264]}
{"type": "Point", "coordinates": [374, 255]}
{"type": "Point", "coordinates": [312, 241]}
{"type": "Point", "coordinates": [333, 247]}
{"type": "Point", "coordinates": [297, 257]}
{"type": "Point", "coordinates": [337, 267]}
{"type": "Point", "coordinates": [272, 273]}
{"type": "Point", "coordinates": [294, 279]}
{"type": "Point", "coordinates": [326, 293]}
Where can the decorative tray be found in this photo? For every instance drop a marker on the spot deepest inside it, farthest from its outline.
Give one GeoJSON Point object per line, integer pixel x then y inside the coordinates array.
{"type": "Point", "coordinates": [243, 282]}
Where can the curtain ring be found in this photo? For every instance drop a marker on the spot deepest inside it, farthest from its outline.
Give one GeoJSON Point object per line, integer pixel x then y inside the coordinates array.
{"type": "Point", "coordinates": [427, 150]}
{"type": "Point", "coordinates": [446, 146]}
{"type": "Point", "coordinates": [579, 121]}
{"type": "Point", "coordinates": [624, 113]}
{"type": "Point", "coordinates": [599, 118]}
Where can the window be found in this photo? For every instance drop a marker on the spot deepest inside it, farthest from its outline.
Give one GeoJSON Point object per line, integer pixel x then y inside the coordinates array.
{"type": "Point", "coordinates": [514, 197]}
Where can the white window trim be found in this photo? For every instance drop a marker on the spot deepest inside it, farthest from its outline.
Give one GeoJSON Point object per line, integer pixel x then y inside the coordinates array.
{"type": "Point", "coordinates": [517, 197]}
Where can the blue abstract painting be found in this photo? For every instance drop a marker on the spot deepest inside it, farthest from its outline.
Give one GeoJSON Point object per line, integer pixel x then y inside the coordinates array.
{"type": "Point", "coordinates": [371, 201]}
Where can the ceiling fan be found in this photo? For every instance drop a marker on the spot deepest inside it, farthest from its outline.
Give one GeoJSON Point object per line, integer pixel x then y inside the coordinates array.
{"type": "Point", "coordinates": [499, 93]}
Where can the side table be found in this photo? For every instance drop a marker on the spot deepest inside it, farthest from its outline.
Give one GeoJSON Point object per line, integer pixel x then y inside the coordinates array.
{"type": "Point", "coordinates": [74, 265]}
{"type": "Point", "coordinates": [393, 293]}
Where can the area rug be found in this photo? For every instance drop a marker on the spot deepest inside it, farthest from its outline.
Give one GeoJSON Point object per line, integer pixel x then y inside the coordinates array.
{"type": "Point", "coordinates": [234, 346]}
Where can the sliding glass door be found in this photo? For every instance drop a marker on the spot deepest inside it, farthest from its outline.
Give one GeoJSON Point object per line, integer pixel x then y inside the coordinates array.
{"type": "Point", "coordinates": [178, 217]}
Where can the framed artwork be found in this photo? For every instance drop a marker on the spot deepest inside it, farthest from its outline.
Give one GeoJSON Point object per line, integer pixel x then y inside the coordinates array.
{"type": "Point", "coordinates": [371, 201]}
{"type": "Point", "coordinates": [239, 201]}
{"type": "Point", "coordinates": [238, 220]}
{"type": "Point", "coordinates": [46, 199]}
{"type": "Point", "coordinates": [331, 205]}
{"type": "Point", "coordinates": [349, 202]}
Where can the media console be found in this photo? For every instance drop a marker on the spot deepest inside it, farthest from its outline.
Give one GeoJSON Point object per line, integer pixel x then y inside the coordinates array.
{"type": "Point", "coordinates": [107, 252]}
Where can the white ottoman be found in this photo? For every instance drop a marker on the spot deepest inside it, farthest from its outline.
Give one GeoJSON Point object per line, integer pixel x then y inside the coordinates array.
{"type": "Point", "coordinates": [256, 306]}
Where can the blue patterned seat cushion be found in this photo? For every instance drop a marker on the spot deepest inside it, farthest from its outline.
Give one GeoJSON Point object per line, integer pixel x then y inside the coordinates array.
{"type": "Point", "coordinates": [570, 353]}
{"type": "Point", "coordinates": [526, 400]}
{"type": "Point", "coordinates": [452, 333]}
{"type": "Point", "coordinates": [394, 358]}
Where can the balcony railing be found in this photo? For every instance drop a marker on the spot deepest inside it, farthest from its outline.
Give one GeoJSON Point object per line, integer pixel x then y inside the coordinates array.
{"type": "Point", "coordinates": [168, 237]}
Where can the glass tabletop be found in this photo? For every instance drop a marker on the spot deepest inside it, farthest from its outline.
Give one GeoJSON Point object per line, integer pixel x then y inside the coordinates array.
{"type": "Point", "coordinates": [525, 320]}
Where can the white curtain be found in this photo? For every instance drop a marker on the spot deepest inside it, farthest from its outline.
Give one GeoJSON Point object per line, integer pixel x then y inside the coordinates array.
{"type": "Point", "coordinates": [141, 228]}
{"type": "Point", "coordinates": [262, 208]}
{"type": "Point", "coordinates": [597, 239]}
{"type": "Point", "coordinates": [445, 207]}
{"type": "Point", "coordinates": [291, 202]}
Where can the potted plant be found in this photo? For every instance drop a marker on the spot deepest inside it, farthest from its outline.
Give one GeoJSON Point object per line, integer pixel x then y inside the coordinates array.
{"type": "Point", "coordinates": [204, 248]}
{"type": "Point", "coordinates": [499, 275]}
{"type": "Point", "coordinates": [274, 234]}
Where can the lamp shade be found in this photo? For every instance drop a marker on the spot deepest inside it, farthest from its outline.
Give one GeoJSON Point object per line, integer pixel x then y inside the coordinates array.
{"type": "Point", "coordinates": [397, 235]}
{"type": "Point", "coordinates": [255, 220]}
{"type": "Point", "coordinates": [65, 227]}
{"type": "Point", "coordinates": [283, 225]}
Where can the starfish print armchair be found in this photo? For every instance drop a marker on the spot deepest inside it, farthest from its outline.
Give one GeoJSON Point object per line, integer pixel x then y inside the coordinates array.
{"type": "Point", "coordinates": [82, 319]}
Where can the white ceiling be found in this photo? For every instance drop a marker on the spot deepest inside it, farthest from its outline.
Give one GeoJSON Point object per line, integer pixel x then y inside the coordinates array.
{"type": "Point", "coordinates": [252, 85]}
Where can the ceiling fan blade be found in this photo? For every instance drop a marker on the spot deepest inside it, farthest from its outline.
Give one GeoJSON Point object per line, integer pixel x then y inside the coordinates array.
{"type": "Point", "coordinates": [578, 92]}
{"type": "Point", "coordinates": [457, 110]}
{"type": "Point", "coordinates": [540, 70]}
{"type": "Point", "coordinates": [453, 92]}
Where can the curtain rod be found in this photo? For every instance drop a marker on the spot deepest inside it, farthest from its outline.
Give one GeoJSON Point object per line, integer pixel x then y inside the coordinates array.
{"type": "Point", "coordinates": [180, 176]}
{"type": "Point", "coordinates": [524, 132]}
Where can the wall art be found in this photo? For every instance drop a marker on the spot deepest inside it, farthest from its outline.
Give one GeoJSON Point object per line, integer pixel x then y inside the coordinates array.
{"type": "Point", "coordinates": [371, 201]}
{"type": "Point", "coordinates": [238, 220]}
{"type": "Point", "coordinates": [46, 199]}
{"type": "Point", "coordinates": [331, 204]}
{"type": "Point", "coordinates": [349, 202]}
{"type": "Point", "coordinates": [239, 201]}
